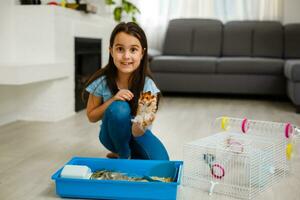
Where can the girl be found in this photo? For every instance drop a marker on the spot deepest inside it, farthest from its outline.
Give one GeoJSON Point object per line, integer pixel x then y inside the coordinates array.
{"type": "Point", "coordinates": [114, 92]}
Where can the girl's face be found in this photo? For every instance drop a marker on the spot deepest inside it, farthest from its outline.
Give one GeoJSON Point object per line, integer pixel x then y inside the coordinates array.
{"type": "Point", "coordinates": [126, 52]}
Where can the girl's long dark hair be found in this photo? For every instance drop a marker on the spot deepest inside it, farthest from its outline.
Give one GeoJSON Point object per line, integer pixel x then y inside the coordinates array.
{"type": "Point", "coordinates": [137, 79]}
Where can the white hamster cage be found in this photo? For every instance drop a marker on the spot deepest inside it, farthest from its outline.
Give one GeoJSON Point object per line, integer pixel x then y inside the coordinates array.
{"type": "Point", "coordinates": [243, 157]}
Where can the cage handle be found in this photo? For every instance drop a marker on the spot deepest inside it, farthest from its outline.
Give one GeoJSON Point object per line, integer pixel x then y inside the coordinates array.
{"type": "Point", "coordinates": [212, 186]}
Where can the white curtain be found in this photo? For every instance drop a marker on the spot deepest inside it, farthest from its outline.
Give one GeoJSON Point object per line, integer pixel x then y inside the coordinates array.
{"type": "Point", "coordinates": [155, 14]}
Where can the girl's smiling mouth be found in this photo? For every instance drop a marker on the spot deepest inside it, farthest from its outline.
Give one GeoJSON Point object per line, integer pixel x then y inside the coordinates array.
{"type": "Point", "coordinates": [126, 63]}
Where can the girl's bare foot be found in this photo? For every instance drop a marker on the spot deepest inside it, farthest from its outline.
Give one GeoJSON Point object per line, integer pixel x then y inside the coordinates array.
{"type": "Point", "coordinates": [112, 155]}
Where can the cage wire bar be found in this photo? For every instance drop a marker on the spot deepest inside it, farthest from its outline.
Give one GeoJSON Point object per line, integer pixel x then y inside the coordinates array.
{"type": "Point", "coordinates": [242, 159]}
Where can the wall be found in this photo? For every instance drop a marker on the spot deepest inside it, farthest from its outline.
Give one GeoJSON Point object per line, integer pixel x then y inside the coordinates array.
{"type": "Point", "coordinates": [8, 95]}
{"type": "Point", "coordinates": [291, 11]}
{"type": "Point", "coordinates": [36, 41]}
{"type": "Point", "coordinates": [9, 104]}
{"type": "Point", "coordinates": [6, 29]}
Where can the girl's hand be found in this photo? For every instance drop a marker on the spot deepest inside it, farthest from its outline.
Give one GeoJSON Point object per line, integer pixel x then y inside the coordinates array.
{"type": "Point", "coordinates": [137, 129]}
{"type": "Point", "coordinates": [123, 95]}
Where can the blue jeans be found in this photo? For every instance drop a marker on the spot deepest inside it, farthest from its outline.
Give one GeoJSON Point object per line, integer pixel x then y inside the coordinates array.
{"type": "Point", "coordinates": [116, 135]}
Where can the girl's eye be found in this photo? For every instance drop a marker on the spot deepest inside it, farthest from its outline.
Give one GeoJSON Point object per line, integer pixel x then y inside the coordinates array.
{"type": "Point", "coordinates": [133, 50]}
{"type": "Point", "coordinates": [119, 49]}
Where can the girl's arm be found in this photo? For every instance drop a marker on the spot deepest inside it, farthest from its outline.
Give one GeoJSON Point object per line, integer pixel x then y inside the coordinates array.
{"type": "Point", "coordinates": [96, 108]}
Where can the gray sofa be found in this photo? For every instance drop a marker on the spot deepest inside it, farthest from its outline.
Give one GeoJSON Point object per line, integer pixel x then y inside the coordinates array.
{"type": "Point", "coordinates": [242, 57]}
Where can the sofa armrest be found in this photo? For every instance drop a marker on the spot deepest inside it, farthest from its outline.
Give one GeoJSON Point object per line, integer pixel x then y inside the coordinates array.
{"type": "Point", "coordinates": [292, 70]}
{"type": "Point", "coordinates": [152, 53]}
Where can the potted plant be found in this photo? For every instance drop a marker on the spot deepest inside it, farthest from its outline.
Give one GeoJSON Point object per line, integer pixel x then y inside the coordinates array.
{"type": "Point", "coordinates": [123, 7]}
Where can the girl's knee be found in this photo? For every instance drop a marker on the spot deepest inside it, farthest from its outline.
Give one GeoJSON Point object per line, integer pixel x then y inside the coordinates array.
{"type": "Point", "coordinates": [119, 110]}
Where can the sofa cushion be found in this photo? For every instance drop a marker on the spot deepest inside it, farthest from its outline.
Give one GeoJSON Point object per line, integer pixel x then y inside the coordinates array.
{"type": "Point", "coordinates": [238, 38]}
{"type": "Point", "coordinates": [207, 38]}
{"type": "Point", "coordinates": [292, 70]}
{"type": "Point", "coordinates": [253, 38]}
{"type": "Point", "coordinates": [193, 37]}
{"type": "Point", "coordinates": [183, 64]}
{"type": "Point", "coordinates": [292, 41]}
{"type": "Point", "coordinates": [292, 91]}
{"type": "Point", "coordinates": [178, 39]}
{"type": "Point", "coordinates": [268, 40]}
{"type": "Point", "coordinates": [247, 65]}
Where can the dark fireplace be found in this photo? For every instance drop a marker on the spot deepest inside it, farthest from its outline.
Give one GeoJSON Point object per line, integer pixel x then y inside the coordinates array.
{"type": "Point", "coordinates": [87, 61]}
